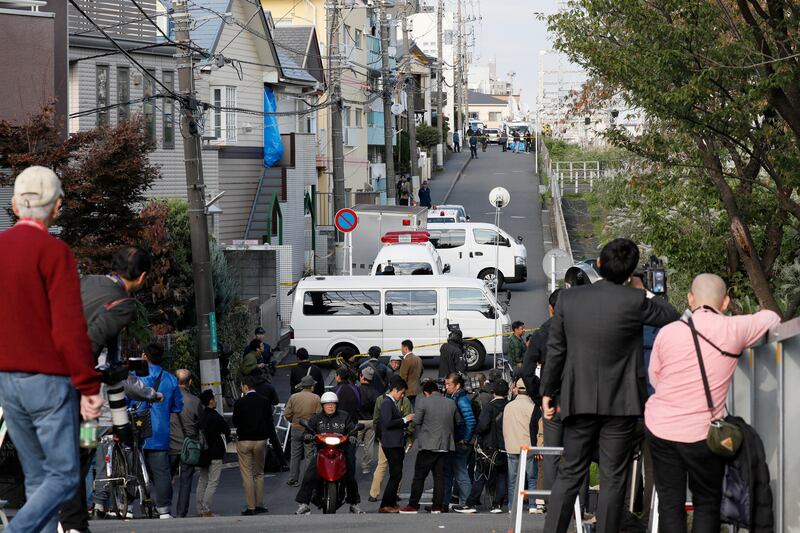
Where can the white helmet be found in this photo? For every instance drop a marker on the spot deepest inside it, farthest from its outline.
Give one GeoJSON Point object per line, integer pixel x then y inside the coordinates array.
{"type": "Point", "coordinates": [329, 397]}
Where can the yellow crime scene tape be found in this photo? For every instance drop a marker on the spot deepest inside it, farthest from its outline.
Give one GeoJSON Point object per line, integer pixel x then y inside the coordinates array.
{"type": "Point", "coordinates": [362, 355]}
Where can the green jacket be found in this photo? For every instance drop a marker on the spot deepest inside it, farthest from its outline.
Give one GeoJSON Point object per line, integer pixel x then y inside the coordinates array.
{"type": "Point", "coordinates": [516, 349]}
{"type": "Point", "coordinates": [405, 409]}
{"type": "Point", "coordinates": [249, 363]}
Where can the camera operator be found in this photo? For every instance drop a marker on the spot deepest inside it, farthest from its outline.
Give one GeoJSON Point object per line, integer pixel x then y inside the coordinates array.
{"type": "Point", "coordinates": [594, 366]}
{"type": "Point", "coordinates": [108, 308]}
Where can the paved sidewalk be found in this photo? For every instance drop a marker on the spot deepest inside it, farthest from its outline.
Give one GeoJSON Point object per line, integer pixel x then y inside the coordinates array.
{"type": "Point", "coordinates": [442, 182]}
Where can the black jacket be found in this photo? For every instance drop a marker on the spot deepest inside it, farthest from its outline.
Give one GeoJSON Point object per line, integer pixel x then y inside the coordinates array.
{"type": "Point", "coordinates": [490, 425]}
{"type": "Point", "coordinates": [266, 390]}
{"type": "Point", "coordinates": [108, 309]}
{"type": "Point", "coordinates": [451, 359]}
{"type": "Point", "coordinates": [368, 397]}
{"type": "Point", "coordinates": [393, 434]}
{"type": "Point", "coordinates": [349, 400]}
{"type": "Point", "coordinates": [303, 369]}
{"type": "Point", "coordinates": [536, 354]}
{"type": "Point", "coordinates": [339, 422]}
{"type": "Point", "coordinates": [214, 427]}
{"type": "Point", "coordinates": [747, 496]}
{"type": "Point", "coordinates": [251, 416]}
{"type": "Point", "coordinates": [594, 349]}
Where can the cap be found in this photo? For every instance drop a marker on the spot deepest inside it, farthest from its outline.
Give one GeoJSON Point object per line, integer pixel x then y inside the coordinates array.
{"type": "Point", "coordinates": [260, 330]}
{"type": "Point", "coordinates": [368, 373]}
{"type": "Point", "coordinates": [306, 382]}
{"type": "Point", "coordinates": [36, 187]}
{"type": "Point", "coordinates": [396, 357]}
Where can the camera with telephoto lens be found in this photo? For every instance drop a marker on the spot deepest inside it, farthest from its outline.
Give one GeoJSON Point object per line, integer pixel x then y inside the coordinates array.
{"type": "Point", "coordinates": [113, 372]}
{"type": "Point", "coordinates": [653, 276]}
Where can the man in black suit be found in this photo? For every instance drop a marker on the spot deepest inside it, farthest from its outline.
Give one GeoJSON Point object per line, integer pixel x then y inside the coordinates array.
{"type": "Point", "coordinates": [595, 368]}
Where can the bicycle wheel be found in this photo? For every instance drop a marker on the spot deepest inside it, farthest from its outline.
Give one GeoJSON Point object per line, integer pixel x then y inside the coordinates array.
{"type": "Point", "coordinates": [119, 471]}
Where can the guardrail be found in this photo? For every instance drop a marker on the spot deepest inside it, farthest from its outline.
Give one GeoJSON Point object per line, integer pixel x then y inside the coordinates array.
{"type": "Point", "coordinates": [562, 235]}
{"type": "Point", "coordinates": [765, 393]}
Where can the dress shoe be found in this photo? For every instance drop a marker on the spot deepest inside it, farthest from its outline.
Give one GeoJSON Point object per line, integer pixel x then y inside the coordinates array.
{"type": "Point", "coordinates": [389, 510]}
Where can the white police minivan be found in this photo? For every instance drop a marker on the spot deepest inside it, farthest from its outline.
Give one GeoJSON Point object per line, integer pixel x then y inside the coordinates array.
{"type": "Point", "coordinates": [332, 315]}
{"type": "Point", "coordinates": [471, 249]}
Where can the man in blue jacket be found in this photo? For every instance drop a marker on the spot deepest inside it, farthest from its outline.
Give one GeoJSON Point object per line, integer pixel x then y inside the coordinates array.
{"type": "Point", "coordinates": [457, 465]}
{"type": "Point", "coordinates": [156, 448]}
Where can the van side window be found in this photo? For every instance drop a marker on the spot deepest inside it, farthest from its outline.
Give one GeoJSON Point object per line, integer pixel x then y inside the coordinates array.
{"type": "Point", "coordinates": [490, 237]}
{"type": "Point", "coordinates": [449, 238]}
{"type": "Point", "coordinates": [410, 303]}
{"type": "Point", "coordinates": [468, 300]}
{"type": "Point", "coordinates": [342, 303]}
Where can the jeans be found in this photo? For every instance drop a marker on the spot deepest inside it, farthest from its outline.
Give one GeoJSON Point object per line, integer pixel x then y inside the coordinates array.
{"type": "Point", "coordinates": [158, 467]}
{"type": "Point", "coordinates": [531, 473]}
{"type": "Point", "coordinates": [299, 449]}
{"type": "Point", "coordinates": [673, 463]}
{"type": "Point", "coordinates": [185, 475]}
{"type": "Point", "coordinates": [207, 485]}
{"type": "Point", "coordinates": [395, 457]}
{"type": "Point", "coordinates": [473, 151]}
{"type": "Point", "coordinates": [456, 469]}
{"type": "Point", "coordinates": [100, 494]}
{"type": "Point", "coordinates": [428, 461]}
{"type": "Point", "coordinates": [41, 412]}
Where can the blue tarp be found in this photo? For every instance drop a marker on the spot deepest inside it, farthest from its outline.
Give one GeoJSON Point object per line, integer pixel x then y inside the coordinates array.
{"type": "Point", "coordinates": [273, 147]}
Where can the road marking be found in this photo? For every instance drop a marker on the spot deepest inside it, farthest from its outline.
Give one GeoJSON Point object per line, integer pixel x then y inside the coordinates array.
{"type": "Point", "coordinates": [517, 216]}
{"type": "Point", "coordinates": [517, 171]}
{"type": "Point", "coordinates": [499, 173]}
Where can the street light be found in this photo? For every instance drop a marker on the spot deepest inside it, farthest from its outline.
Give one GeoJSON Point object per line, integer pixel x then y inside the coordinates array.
{"type": "Point", "coordinates": [499, 198]}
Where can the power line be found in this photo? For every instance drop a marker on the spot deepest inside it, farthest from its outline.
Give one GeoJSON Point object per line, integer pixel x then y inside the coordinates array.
{"type": "Point", "coordinates": [167, 37]}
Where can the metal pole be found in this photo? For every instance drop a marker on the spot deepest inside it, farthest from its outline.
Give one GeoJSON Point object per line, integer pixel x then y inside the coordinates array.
{"type": "Point", "coordinates": [410, 89]}
{"type": "Point", "coordinates": [195, 191]}
{"type": "Point", "coordinates": [439, 83]}
{"type": "Point", "coordinates": [496, 274]}
{"type": "Point", "coordinates": [337, 138]}
{"type": "Point", "coordinates": [459, 123]}
{"type": "Point", "coordinates": [552, 273]}
{"type": "Point", "coordinates": [388, 118]}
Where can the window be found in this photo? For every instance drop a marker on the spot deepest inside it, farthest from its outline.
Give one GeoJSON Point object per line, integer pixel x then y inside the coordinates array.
{"type": "Point", "coordinates": [149, 106]}
{"type": "Point", "coordinates": [474, 115]}
{"type": "Point", "coordinates": [123, 93]}
{"type": "Point", "coordinates": [342, 303]}
{"type": "Point", "coordinates": [447, 238]}
{"type": "Point", "coordinates": [495, 116]}
{"type": "Point", "coordinates": [358, 113]}
{"type": "Point", "coordinates": [223, 121]}
{"type": "Point", "coordinates": [346, 117]}
{"type": "Point", "coordinates": [410, 303]}
{"type": "Point", "coordinates": [407, 269]}
{"type": "Point", "coordinates": [102, 94]}
{"type": "Point", "coordinates": [169, 111]}
{"type": "Point", "coordinates": [469, 300]}
{"type": "Point", "coordinates": [358, 37]}
{"type": "Point", "coordinates": [490, 237]}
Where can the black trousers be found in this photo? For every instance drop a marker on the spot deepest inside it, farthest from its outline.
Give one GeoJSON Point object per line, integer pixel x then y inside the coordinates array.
{"type": "Point", "coordinates": [673, 463]}
{"type": "Point", "coordinates": [73, 514]}
{"type": "Point", "coordinates": [395, 458]}
{"type": "Point", "coordinates": [484, 476]}
{"type": "Point", "coordinates": [553, 433]}
{"type": "Point", "coordinates": [473, 151]}
{"type": "Point", "coordinates": [582, 433]}
{"type": "Point", "coordinates": [277, 446]}
{"type": "Point", "coordinates": [428, 461]}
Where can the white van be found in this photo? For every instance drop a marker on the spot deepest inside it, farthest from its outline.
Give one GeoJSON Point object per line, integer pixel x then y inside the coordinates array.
{"type": "Point", "coordinates": [336, 314]}
{"type": "Point", "coordinates": [470, 247]}
{"type": "Point", "coordinates": [409, 253]}
{"type": "Point", "coordinates": [440, 214]}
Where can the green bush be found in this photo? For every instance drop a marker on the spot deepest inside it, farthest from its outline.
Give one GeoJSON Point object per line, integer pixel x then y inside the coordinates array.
{"type": "Point", "coordinates": [427, 136]}
{"type": "Point", "coordinates": [181, 348]}
{"type": "Point", "coordinates": [235, 331]}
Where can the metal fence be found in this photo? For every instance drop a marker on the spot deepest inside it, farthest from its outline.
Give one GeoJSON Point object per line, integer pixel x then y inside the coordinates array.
{"type": "Point", "coordinates": [765, 394]}
{"type": "Point", "coordinates": [561, 234]}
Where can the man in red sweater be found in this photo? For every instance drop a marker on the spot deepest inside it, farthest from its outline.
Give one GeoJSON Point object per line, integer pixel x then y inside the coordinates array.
{"type": "Point", "coordinates": [45, 353]}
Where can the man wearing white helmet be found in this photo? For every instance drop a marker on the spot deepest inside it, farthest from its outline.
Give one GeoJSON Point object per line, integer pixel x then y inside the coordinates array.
{"type": "Point", "coordinates": [330, 420]}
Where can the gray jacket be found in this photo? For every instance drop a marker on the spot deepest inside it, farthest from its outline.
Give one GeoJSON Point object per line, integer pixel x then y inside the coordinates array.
{"type": "Point", "coordinates": [192, 411]}
{"type": "Point", "coordinates": [434, 418]}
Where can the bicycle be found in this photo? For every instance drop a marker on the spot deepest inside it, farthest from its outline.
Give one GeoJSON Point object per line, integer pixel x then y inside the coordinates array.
{"type": "Point", "coordinates": [508, 370]}
{"type": "Point", "coordinates": [127, 479]}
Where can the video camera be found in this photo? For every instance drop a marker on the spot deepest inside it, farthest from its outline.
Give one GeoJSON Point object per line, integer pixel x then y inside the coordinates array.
{"type": "Point", "coordinates": [115, 371]}
{"type": "Point", "coordinates": [653, 276]}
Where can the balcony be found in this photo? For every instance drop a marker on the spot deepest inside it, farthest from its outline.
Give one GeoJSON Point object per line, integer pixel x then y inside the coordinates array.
{"type": "Point", "coordinates": [374, 55]}
{"type": "Point", "coordinates": [375, 129]}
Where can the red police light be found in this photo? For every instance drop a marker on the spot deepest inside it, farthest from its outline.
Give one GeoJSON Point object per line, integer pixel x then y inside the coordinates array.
{"type": "Point", "coordinates": [406, 237]}
{"type": "Point", "coordinates": [406, 222]}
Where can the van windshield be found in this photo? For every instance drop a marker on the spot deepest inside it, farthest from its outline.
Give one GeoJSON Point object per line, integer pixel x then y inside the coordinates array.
{"type": "Point", "coordinates": [404, 269]}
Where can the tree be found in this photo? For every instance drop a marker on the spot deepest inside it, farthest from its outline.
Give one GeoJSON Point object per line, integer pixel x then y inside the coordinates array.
{"type": "Point", "coordinates": [427, 136]}
{"type": "Point", "coordinates": [711, 104]}
{"type": "Point", "coordinates": [104, 173]}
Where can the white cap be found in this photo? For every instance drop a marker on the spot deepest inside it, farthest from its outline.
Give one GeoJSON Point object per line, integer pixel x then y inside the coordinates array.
{"type": "Point", "coordinates": [329, 397]}
{"type": "Point", "coordinates": [36, 187]}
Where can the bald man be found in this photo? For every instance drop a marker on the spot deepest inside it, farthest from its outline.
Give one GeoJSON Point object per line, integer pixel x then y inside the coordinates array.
{"type": "Point", "coordinates": [677, 415]}
{"type": "Point", "coordinates": [182, 425]}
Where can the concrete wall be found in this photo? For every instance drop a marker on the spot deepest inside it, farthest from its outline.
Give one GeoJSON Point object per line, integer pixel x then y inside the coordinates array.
{"type": "Point", "coordinates": [255, 273]}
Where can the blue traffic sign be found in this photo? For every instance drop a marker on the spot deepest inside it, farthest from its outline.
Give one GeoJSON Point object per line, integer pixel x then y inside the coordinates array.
{"type": "Point", "coordinates": [345, 220]}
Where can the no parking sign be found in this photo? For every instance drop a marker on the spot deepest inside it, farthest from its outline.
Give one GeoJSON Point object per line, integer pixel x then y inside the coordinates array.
{"type": "Point", "coordinates": [345, 220]}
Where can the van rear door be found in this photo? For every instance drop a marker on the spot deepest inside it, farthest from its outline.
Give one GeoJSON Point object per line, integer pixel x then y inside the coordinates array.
{"type": "Point", "coordinates": [411, 314]}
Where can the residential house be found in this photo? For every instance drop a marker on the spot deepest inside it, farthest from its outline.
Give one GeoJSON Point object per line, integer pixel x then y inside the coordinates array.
{"type": "Point", "coordinates": [491, 110]}
{"type": "Point", "coordinates": [424, 33]}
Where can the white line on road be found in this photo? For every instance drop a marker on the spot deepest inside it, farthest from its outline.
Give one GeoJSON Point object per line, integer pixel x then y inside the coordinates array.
{"type": "Point", "coordinates": [517, 216]}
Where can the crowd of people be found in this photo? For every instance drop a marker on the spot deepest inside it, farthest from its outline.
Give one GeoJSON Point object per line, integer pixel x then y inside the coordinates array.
{"type": "Point", "coordinates": [584, 376]}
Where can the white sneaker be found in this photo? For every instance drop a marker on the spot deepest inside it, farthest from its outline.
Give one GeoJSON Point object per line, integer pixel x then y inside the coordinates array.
{"type": "Point", "coordinates": [165, 516]}
{"type": "Point", "coordinates": [303, 509]}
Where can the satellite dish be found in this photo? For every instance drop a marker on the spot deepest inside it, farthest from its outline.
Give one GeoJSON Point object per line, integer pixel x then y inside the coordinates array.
{"type": "Point", "coordinates": [397, 109]}
{"type": "Point", "coordinates": [499, 197]}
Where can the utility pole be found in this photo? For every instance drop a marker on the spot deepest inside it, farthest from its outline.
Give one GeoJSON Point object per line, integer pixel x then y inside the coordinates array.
{"type": "Point", "coordinates": [410, 89]}
{"type": "Point", "coordinates": [439, 74]}
{"type": "Point", "coordinates": [388, 117]}
{"type": "Point", "coordinates": [337, 137]}
{"type": "Point", "coordinates": [459, 126]}
{"type": "Point", "coordinates": [465, 70]}
{"type": "Point", "coordinates": [195, 189]}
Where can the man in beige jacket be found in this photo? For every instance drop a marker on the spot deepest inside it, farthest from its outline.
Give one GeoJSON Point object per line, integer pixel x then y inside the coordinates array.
{"type": "Point", "coordinates": [411, 370]}
{"type": "Point", "coordinates": [520, 425]}
{"type": "Point", "coordinates": [301, 406]}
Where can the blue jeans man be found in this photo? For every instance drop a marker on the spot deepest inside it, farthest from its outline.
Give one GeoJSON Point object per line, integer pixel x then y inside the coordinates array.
{"type": "Point", "coordinates": [456, 468]}
{"type": "Point", "coordinates": [42, 414]}
{"type": "Point", "coordinates": [531, 473]}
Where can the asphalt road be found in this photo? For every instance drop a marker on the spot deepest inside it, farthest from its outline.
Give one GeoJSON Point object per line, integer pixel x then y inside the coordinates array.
{"type": "Point", "coordinates": [521, 217]}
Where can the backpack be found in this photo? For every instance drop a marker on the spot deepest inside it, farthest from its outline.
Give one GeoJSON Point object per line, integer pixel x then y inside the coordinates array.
{"type": "Point", "coordinates": [476, 404]}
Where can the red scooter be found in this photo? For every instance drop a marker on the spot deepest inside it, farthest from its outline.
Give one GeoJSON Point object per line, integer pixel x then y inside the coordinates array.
{"type": "Point", "coordinates": [331, 469]}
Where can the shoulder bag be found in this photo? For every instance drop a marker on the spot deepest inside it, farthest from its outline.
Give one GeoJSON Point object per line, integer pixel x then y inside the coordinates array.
{"type": "Point", "coordinates": [142, 420]}
{"type": "Point", "coordinates": [193, 448]}
{"type": "Point", "coordinates": [724, 438]}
